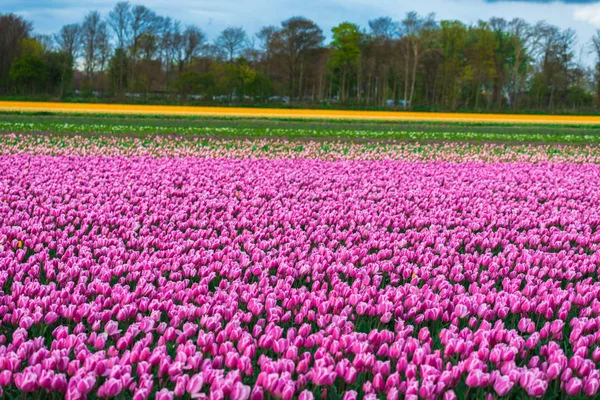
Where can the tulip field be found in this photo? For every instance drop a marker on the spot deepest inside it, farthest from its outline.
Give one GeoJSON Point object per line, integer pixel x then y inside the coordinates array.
{"type": "Point", "coordinates": [184, 266]}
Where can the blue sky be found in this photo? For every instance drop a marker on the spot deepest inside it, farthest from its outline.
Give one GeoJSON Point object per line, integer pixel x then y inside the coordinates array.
{"type": "Point", "coordinates": [212, 16]}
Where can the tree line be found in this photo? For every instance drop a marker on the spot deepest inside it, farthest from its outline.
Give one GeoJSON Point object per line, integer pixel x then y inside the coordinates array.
{"type": "Point", "coordinates": [416, 62]}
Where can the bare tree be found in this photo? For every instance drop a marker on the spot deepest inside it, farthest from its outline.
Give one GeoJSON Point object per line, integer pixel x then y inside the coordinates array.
{"type": "Point", "coordinates": [149, 68]}
{"type": "Point", "coordinates": [296, 38]}
{"type": "Point", "coordinates": [68, 40]}
{"type": "Point", "coordinates": [46, 41]}
{"type": "Point", "coordinates": [251, 53]}
{"type": "Point", "coordinates": [383, 31]}
{"type": "Point", "coordinates": [555, 53]}
{"type": "Point", "coordinates": [149, 46]}
{"type": "Point", "coordinates": [521, 40]}
{"type": "Point", "coordinates": [104, 50]}
{"type": "Point", "coordinates": [94, 37]}
{"type": "Point", "coordinates": [143, 22]}
{"type": "Point", "coordinates": [119, 20]}
{"type": "Point", "coordinates": [232, 40]}
{"type": "Point", "coordinates": [383, 27]}
{"type": "Point", "coordinates": [170, 44]}
{"type": "Point", "coordinates": [595, 45]}
{"type": "Point", "coordinates": [192, 41]}
{"type": "Point", "coordinates": [214, 52]}
{"type": "Point", "coordinates": [413, 28]}
{"type": "Point", "coordinates": [266, 37]}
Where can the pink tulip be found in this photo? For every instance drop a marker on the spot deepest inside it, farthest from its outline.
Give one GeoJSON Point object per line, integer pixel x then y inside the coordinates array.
{"type": "Point", "coordinates": [306, 395]}
{"type": "Point", "coordinates": [110, 388]}
{"type": "Point", "coordinates": [503, 385]}
{"type": "Point", "coordinates": [164, 394]}
{"type": "Point", "coordinates": [194, 385]}
{"type": "Point", "coordinates": [257, 393]}
{"type": "Point", "coordinates": [350, 395]}
{"type": "Point", "coordinates": [27, 382]}
{"type": "Point", "coordinates": [477, 378]}
{"type": "Point", "coordinates": [553, 371]}
{"type": "Point", "coordinates": [537, 388]}
{"type": "Point", "coordinates": [573, 386]}
{"type": "Point", "coordinates": [240, 392]}
{"type": "Point", "coordinates": [59, 383]}
{"type": "Point", "coordinates": [591, 386]}
{"type": "Point", "coordinates": [5, 377]}
{"type": "Point", "coordinates": [449, 395]}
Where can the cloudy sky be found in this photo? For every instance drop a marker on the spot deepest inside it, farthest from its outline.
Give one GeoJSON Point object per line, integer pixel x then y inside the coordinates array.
{"type": "Point", "coordinates": [212, 16]}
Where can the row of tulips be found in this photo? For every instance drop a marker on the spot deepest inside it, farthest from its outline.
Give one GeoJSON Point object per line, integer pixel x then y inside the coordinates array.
{"type": "Point", "coordinates": [328, 150]}
{"type": "Point", "coordinates": [251, 279]}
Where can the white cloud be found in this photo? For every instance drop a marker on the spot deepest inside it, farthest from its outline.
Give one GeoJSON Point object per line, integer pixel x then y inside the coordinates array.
{"type": "Point", "coordinates": [588, 13]}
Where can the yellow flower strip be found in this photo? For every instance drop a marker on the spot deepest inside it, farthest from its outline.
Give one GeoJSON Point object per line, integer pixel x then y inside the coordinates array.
{"type": "Point", "coordinates": [294, 113]}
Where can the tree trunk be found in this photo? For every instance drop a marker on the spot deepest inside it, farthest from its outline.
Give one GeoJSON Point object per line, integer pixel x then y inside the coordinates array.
{"type": "Point", "coordinates": [598, 84]}
{"type": "Point", "coordinates": [368, 94]}
{"type": "Point", "coordinates": [121, 71]}
{"type": "Point", "coordinates": [320, 90]}
{"type": "Point", "coordinates": [301, 76]}
{"type": "Point", "coordinates": [515, 78]}
{"type": "Point", "coordinates": [406, 66]}
{"type": "Point", "coordinates": [384, 89]}
{"type": "Point", "coordinates": [414, 74]}
{"type": "Point", "coordinates": [292, 73]}
{"type": "Point", "coordinates": [358, 88]}
{"type": "Point", "coordinates": [133, 63]}
{"type": "Point", "coordinates": [342, 85]}
{"type": "Point", "coordinates": [330, 86]}
{"type": "Point", "coordinates": [62, 82]}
